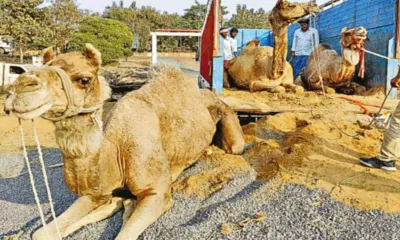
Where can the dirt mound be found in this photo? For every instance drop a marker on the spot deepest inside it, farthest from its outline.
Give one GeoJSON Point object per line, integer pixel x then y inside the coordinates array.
{"type": "Point", "coordinates": [218, 169]}
{"type": "Point", "coordinates": [323, 152]}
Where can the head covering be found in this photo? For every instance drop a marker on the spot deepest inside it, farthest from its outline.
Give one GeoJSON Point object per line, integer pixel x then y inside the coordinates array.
{"type": "Point", "coordinates": [304, 20]}
{"type": "Point", "coordinates": [223, 30]}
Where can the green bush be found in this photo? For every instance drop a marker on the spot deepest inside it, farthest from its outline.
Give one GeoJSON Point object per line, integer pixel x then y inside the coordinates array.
{"type": "Point", "coordinates": [112, 38]}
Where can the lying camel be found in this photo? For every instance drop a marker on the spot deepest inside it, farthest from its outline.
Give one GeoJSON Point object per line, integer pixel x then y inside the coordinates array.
{"type": "Point", "coordinates": [265, 68]}
{"type": "Point", "coordinates": [148, 139]}
{"type": "Point", "coordinates": [336, 72]}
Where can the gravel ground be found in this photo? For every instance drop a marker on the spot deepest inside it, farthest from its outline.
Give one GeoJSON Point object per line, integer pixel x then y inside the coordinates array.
{"type": "Point", "coordinates": [291, 211]}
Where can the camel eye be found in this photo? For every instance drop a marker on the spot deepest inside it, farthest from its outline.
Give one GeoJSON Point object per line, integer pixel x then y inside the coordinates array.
{"type": "Point", "coordinates": [84, 81]}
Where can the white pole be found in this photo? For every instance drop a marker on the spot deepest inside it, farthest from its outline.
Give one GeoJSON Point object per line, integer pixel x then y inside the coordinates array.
{"type": "Point", "coordinates": [154, 48]}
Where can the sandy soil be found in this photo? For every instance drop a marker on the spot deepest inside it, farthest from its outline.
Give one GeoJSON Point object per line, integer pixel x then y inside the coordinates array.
{"type": "Point", "coordinates": [313, 148]}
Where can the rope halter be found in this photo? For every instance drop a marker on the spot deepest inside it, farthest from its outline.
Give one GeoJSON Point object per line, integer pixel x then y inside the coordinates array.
{"type": "Point", "coordinates": [72, 108]}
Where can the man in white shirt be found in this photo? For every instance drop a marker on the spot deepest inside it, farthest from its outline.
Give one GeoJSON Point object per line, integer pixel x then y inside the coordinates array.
{"type": "Point", "coordinates": [230, 45]}
{"type": "Point", "coordinates": [305, 40]}
{"type": "Point", "coordinates": [230, 52]}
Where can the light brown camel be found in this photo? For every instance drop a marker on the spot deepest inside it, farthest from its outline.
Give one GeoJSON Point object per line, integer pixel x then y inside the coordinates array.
{"type": "Point", "coordinates": [265, 68]}
{"type": "Point", "coordinates": [148, 139]}
{"type": "Point", "coordinates": [337, 71]}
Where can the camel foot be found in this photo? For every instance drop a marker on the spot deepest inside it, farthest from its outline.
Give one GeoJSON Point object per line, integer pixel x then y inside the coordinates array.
{"type": "Point", "coordinates": [104, 211]}
{"type": "Point", "coordinates": [329, 90]}
{"type": "Point", "coordinates": [279, 90]}
{"type": "Point", "coordinates": [299, 90]}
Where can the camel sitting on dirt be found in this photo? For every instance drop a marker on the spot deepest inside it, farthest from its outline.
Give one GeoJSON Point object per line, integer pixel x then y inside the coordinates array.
{"type": "Point", "coordinates": [149, 137]}
{"type": "Point", "coordinates": [265, 68]}
{"type": "Point", "coordinates": [336, 72]}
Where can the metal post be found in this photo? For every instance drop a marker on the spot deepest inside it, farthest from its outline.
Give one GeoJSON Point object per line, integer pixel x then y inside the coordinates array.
{"type": "Point", "coordinates": [154, 48]}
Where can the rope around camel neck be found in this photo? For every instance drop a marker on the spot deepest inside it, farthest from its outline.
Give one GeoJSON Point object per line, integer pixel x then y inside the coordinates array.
{"type": "Point", "coordinates": [32, 180]}
{"type": "Point", "coordinates": [46, 181]}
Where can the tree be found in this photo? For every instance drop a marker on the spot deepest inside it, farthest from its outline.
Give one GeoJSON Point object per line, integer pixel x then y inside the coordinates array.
{"type": "Point", "coordinates": [63, 20]}
{"type": "Point", "coordinates": [249, 18]}
{"type": "Point", "coordinates": [25, 22]}
{"type": "Point", "coordinates": [112, 38]}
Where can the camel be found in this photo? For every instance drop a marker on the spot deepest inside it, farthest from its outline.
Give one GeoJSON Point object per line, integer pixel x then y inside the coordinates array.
{"type": "Point", "coordinates": [337, 71]}
{"type": "Point", "coordinates": [265, 68]}
{"type": "Point", "coordinates": [148, 138]}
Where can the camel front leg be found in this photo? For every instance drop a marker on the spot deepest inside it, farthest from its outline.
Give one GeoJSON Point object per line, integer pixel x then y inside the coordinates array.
{"type": "Point", "coordinates": [78, 210]}
{"type": "Point", "coordinates": [298, 90]}
{"type": "Point", "coordinates": [147, 211]}
{"type": "Point", "coordinates": [258, 86]}
{"type": "Point", "coordinates": [129, 207]}
{"type": "Point", "coordinates": [100, 213]}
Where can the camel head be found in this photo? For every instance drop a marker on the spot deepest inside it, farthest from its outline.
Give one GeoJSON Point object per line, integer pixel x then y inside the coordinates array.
{"type": "Point", "coordinates": [66, 86]}
{"type": "Point", "coordinates": [352, 41]}
{"type": "Point", "coordinates": [253, 44]}
{"type": "Point", "coordinates": [291, 12]}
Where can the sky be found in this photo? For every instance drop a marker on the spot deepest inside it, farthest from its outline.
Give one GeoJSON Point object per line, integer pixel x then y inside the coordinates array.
{"type": "Point", "coordinates": [178, 6]}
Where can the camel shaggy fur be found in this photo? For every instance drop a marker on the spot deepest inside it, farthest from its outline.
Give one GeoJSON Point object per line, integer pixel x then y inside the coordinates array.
{"type": "Point", "coordinates": [337, 71]}
{"type": "Point", "coordinates": [148, 139]}
{"type": "Point", "coordinates": [265, 68]}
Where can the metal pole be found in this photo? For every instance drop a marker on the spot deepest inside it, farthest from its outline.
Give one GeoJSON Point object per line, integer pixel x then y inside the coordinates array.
{"type": "Point", "coordinates": [154, 48]}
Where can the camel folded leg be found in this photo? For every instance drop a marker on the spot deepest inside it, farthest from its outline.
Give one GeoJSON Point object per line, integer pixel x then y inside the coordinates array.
{"type": "Point", "coordinates": [258, 86]}
{"type": "Point", "coordinates": [229, 133]}
{"type": "Point", "coordinates": [299, 90]}
{"type": "Point", "coordinates": [78, 210]}
{"type": "Point", "coordinates": [129, 207]}
{"type": "Point", "coordinates": [352, 89]}
{"type": "Point", "coordinates": [147, 211]}
{"type": "Point", "coordinates": [100, 213]}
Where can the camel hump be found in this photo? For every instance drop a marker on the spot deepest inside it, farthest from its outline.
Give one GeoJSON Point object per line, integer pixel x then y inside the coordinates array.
{"type": "Point", "coordinates": [324, 46]}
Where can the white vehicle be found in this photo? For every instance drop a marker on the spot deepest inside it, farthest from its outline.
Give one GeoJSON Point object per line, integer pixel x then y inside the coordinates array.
{"type": "Point", "coordinates": [5, 45]}
{"type": "Point", "coordinates": [10, 72]}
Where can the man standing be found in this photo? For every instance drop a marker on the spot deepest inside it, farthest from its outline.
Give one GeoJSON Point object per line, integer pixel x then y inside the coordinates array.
{"type": "Point", "coordinates": [390, 151]}
{"type": "Point", "coordinates": [230, 46]}
{"type": "Point", "coordinates": [230, 52]}
{"type": "Point", "coordinates": [304, 41]}
{"type": "Point", "coordinates": [234, 32]}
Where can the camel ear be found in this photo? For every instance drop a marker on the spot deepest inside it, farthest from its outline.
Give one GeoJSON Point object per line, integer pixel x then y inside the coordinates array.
{"type": "Point", "coordinates": [48, 55]}
{"type": "Point", "coordinates": [344, 30]}
{"type": "Point", "coordinates": [93, 55]}
{"type": "Point", "coordinates": [257, 43]}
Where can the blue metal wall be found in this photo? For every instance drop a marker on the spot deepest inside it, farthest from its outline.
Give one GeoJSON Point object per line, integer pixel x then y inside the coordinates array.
{"type": "Point", "coordinates": [377, 16]}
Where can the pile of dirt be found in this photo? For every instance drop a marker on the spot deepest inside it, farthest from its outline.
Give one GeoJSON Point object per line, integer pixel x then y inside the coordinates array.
{"type": "Point", "coordinates": [217, 170]}
{"type": "Point", "coordinates": [323, 151]}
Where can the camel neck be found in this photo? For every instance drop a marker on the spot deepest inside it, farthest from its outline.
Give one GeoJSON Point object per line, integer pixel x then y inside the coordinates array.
{"type": "Point", "coordinates": [280, 29]}
{"type": "Point", "coordinates": [80, 136]}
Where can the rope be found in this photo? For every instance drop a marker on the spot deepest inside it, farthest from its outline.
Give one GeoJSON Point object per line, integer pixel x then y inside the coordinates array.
{"type": "Point", "coordinates": [32, 180]}
{"type": "Point", "coordinates": [46, 181]}
{"type": "Point", "coordinates": [372, 121]}
{"type": "Point", "coordinates": [379, 55]}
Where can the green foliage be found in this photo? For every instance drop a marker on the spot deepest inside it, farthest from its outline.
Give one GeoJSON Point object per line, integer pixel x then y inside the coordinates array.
{"type": "Point", "coordinates": [249, 18]}
{"type": "Point", "coordinates": [112, 38]}
{"type": "Point", "coordinates": [24, 22]}
{"type": "Point", "coordinates": [63, 19]}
